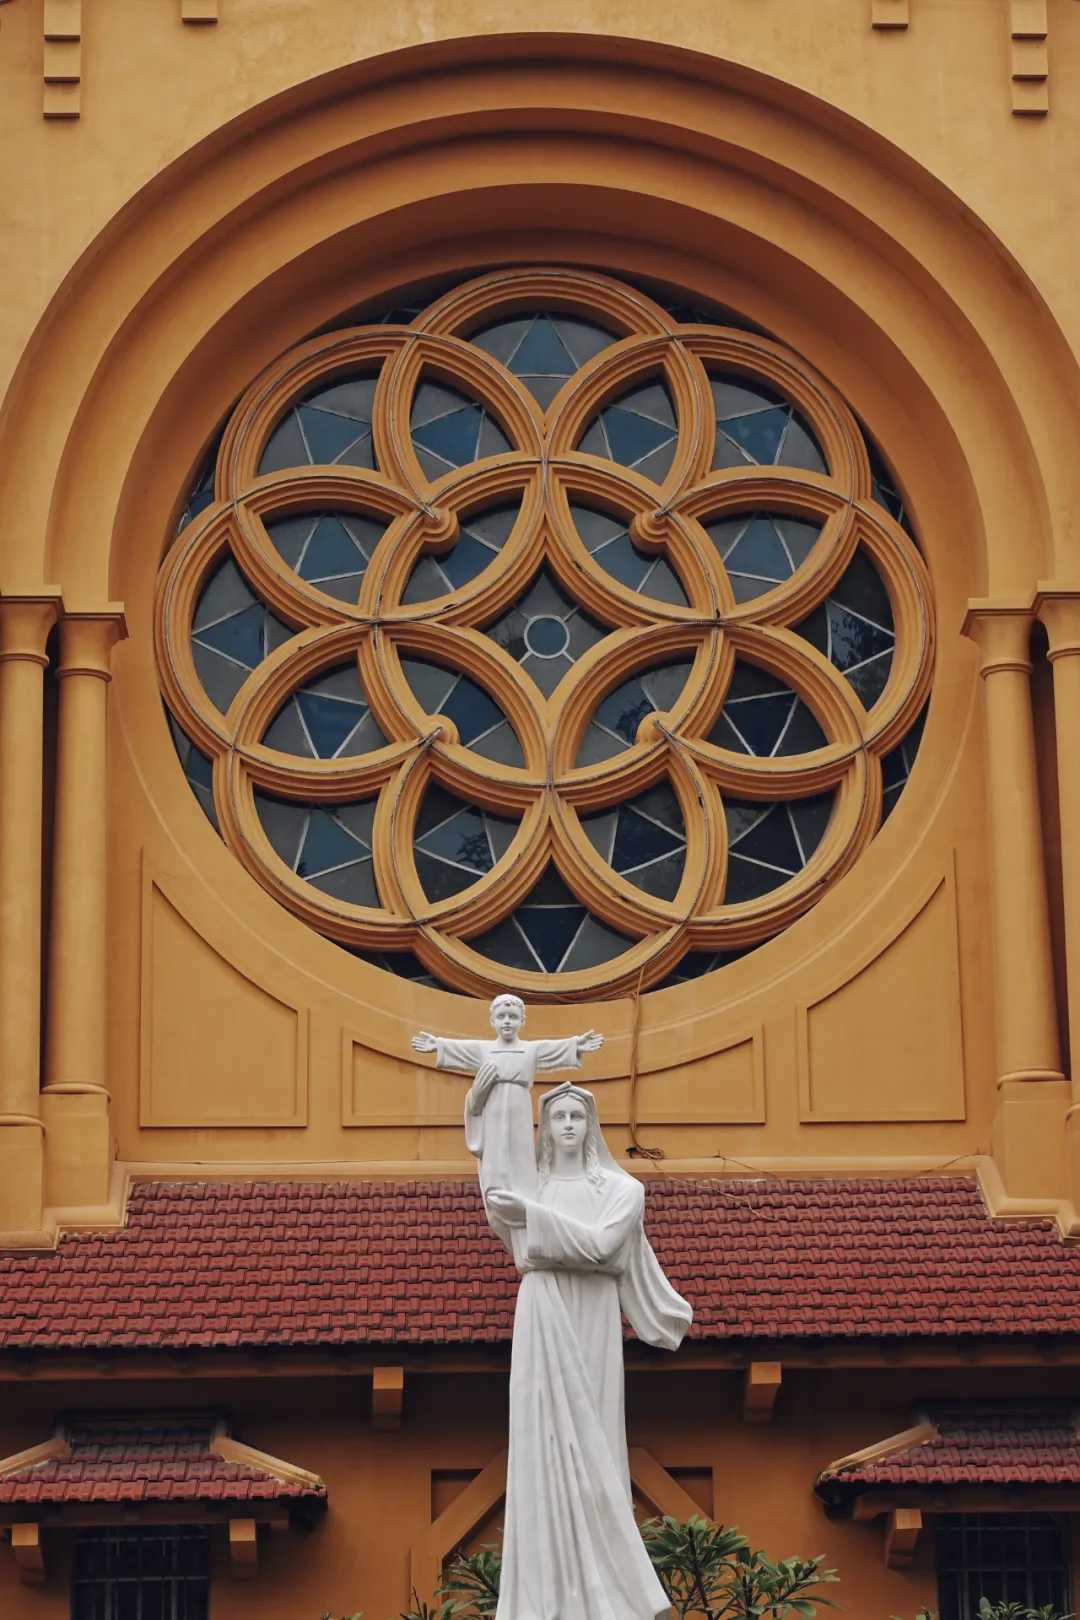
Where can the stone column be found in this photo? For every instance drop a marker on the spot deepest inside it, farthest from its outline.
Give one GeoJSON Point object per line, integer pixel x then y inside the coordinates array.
{"type": "Point", "coordinates": [1058, 606]}
{"type": "Point", "coordinates": [25, 622]}
{"type": "Point", "coordinates": [75, 1101]}
{"type": "Point", "coordinates": [1032, 1092]}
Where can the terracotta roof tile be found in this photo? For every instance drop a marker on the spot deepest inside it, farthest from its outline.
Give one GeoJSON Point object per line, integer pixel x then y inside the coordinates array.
{"type": "Point", "coordinates": [146, 1460]}
{"type": "Point", "coordinates": [247, 1264]}
{"type": "Point", "coordinates": [1005, 1445]}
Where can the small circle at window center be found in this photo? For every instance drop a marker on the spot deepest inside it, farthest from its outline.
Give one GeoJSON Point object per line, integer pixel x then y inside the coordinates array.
{"type": "Point", "coordinates": [547, 636]}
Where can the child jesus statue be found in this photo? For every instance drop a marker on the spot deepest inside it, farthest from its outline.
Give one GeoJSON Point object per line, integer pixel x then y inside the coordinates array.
{"type": "Point", "coordinates": [498, 1108]}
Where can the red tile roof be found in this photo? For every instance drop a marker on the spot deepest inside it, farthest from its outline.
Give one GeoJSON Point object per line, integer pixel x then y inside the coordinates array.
{"type": "Point", "coordinates": [220, 1264]}
{"type": "Point", "coordinates": [1004, 1445]}
{"type": "Point", "coordinates": [146, 1460]}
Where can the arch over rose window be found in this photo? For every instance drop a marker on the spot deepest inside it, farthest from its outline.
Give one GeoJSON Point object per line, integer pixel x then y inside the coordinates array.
{"type": "Point", "coordinates": [545, 634]}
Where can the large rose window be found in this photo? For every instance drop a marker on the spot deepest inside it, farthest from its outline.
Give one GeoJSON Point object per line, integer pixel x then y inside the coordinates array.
{"type": "Point", "coordinates": [549, 638]}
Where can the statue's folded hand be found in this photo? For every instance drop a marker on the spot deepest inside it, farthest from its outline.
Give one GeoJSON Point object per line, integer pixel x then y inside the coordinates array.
{"type": "Point", "coordinates": [507, 1206]}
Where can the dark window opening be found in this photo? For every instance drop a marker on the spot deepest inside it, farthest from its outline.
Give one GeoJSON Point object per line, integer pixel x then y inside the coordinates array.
{"type": "Point", "coordinates": [158, 1573]}
{"type": "Point", "coordinates": [1008, 1558]}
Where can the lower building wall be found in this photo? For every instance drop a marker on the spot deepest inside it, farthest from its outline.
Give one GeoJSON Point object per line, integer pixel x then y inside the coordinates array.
{"type": "Point", "coordinates": [385, 1487]}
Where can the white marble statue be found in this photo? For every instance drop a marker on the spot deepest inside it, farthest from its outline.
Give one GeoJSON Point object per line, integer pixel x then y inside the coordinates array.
{"type": "Point", "coordinates": [498, 1108]}
{"type": "Point", "coordinates": [572, 1220]}
{"type": "Point", "coordinates": [571, 1548]}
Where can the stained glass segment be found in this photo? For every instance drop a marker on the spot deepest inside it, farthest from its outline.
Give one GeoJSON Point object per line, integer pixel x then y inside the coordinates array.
{"type": "Point", "coordinates": [543, 349]}
{"type": "Point", "coordinates": [331, 426]}
{"type": "Point", "coordinates": [637, 430]}
{"type": "Point", "coordinates": [755, 426]}
{"type": "Point", "coordinates": [451, 430]}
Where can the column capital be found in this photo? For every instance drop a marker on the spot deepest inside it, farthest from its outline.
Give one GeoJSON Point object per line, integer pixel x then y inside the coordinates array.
{"type": "Point", "coordinates": [26, 617]}
{"type": "Point", "coordinates": [1001, 629]}
{"type": "Point", "coordinates": [1057, 605]}
{"type": "Point", "coordinates": [87, 638]}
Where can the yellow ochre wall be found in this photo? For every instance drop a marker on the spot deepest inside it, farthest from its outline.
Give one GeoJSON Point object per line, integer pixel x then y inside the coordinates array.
{"type": "Point", "coordinates": [184, 200]}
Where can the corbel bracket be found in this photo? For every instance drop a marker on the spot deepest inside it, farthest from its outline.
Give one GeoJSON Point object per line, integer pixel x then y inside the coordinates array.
{"type": "Point", "coordinates": [761, 1386]}
{"type": "Point", "coordinates": [387, 1397]}
{"type": "Point", "coordinates": [1029, 62]}
{"type": "Point", "coordinates": [902, 1536]}
{"type": "Point", "coordinates": [26, 1547]}
{"type": "Point", "coordinates": [62, 26]}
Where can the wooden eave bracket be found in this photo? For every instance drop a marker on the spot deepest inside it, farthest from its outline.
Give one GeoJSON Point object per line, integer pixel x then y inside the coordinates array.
{"type": "Point", "coordinates": [26, 1548]}
{"type": "Point", "coordinates": [243, 1549]}
{"type": "Point", "coordinates": [761, 1386]}
{"type": "Point", "coordinates": [387, 1397]}
{"type": "Point", "coordinates": [902, 1531]}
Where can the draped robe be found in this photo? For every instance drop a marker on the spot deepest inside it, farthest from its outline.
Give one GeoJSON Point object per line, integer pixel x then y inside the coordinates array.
{"type": "Point", "coordinates": [571, 1548]}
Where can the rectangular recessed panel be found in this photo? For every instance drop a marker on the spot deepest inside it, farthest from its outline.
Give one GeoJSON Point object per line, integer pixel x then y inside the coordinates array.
{"type": "Point", "coordinates": [217, 1048]}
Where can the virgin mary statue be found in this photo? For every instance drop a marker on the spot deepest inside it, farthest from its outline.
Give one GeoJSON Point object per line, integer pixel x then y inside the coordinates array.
{"type": "Point", "coordinates": [571, 1548]}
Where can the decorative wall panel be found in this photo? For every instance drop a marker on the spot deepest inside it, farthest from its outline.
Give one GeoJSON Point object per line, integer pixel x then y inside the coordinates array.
{"type": "Point", "coordinates": [195, 1006]}
{"type": "Point", "coordinates": [904, 1000]}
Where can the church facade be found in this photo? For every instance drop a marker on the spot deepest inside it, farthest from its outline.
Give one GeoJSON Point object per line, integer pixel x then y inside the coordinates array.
{"type": "Point", "coordinates": [583, 505]}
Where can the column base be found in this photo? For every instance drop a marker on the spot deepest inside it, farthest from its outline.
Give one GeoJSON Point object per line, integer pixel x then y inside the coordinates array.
{"type": "Point", "coordinates": [1072, 1152]}
{"type": "Point", "coordinates": [1029, 1137]}
{"type": "Point", "coordinates": [78, 1164]}
{"type": "Point", "coordinates": [22, 1183]}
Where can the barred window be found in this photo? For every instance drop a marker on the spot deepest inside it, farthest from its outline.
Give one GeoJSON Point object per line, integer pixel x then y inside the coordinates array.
{"type": "Point", "coordinates": [158, 1573]}
{"type": "Point", "coordinates": [1012, 1557]}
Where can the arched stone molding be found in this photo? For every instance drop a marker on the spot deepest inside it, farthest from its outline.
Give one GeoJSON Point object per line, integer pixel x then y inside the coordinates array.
{"type": "Point", "coordinates": [646, 162]}
{"type": "Point", "coordinates": [723, 159]}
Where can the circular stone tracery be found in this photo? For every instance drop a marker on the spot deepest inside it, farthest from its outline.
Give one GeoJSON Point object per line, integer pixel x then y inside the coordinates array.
{"type": "Point", "coordinates": [548, 632]}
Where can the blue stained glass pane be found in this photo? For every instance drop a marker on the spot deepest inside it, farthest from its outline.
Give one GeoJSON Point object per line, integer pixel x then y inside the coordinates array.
{"type": "Point", "coordinates": [735, 397]}
{"type": "Point", "coordinates": [506, 944]}
{"type": "Point", "coordinates": [354, 398]}
{"type": "Point", "coordinates": [871, 678]}
{"type": "Point", "coordinates": [760, 722]}
{"type": "Point", "coordinates": [285, 447]}
{"type": "Point", "coordinates": [465, 559]}
{"type": "Point", "coordinates": [552, 890]}
{"type": "Point", "coordinates": [546, 636]}
{"type": "Point", "coordinates": [200, 769]}
{"type": "Point", "coordinates": [471, 710]}
{"type": "Point", "coordinates": [327, 434]}
{"type": "Point", "coordinates": [354, 883]}
{"type": "Point", "coordinates": [638, 840]}
{"type": "Point", "coordinates": [593, 943]}
{"type": "Point", "coordinates": [240, 636]}
{"type": "Point", "coordinates": [623, 710]}
{"type": "Point", "coordinates": [329, 721]}
{"type": "Point", "coordinates": [331, 550]}
{"type": "Point", "coordinates": [462, 839]}
{"type": "Point", "coordinates": [452, 437]}
{"type": "Point", "coordinates": [760, 434]}
{"type": "Point", "coordinates": [632, 437]}
{"type": "Point", "coordinates": [860, 589]}
{"type": "Point", "coordinates": [327, 845]}
{"type": "Point", "coordinates": [771, 839]}
{"type": "Point", "coordinates": [810, 817]}
{"type": "Point", "coordinates": [853, 639]}
{"type": "Point", "coordinates": [624, 562]}
{"type": "Point", "coordinates": [541, 353]}
{"type": "Point", "coordinates": [759, 551]}
{"type": "Point", "coordinates": [439, 879]}
{"type": "Point", "coordinates": [550, 931]}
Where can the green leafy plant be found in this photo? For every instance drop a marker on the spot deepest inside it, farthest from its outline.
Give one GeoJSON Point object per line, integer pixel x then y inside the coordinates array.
{"type": "Point", "coordinates": [1003, 1611]}
{"type": "Point", "coordinates": [471, 1584]}
{"type": "Point", "coordinates": [711, 1571]}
